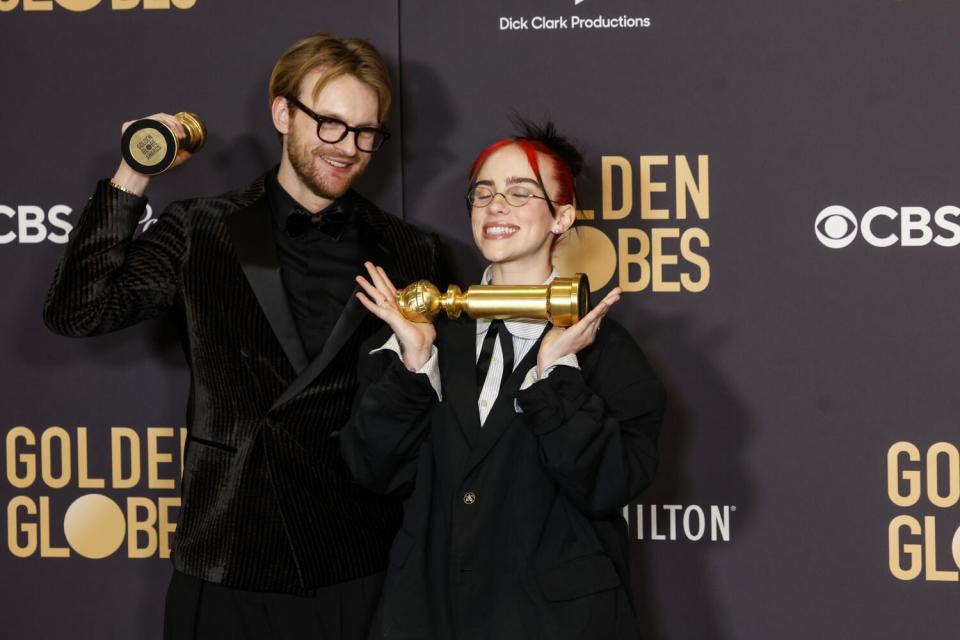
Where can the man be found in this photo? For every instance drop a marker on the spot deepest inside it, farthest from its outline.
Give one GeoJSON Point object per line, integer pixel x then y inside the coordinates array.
{"type": "Point", "coordinates": [273, 540]}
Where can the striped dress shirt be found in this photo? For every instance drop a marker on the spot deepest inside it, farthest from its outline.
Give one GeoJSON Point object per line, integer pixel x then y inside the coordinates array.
{"type": "Point", "coordinates": [524, 332]}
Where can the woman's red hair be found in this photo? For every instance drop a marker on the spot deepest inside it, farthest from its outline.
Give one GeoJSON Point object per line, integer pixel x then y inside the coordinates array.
{"type": "Point", "coordinates": [561, 171]}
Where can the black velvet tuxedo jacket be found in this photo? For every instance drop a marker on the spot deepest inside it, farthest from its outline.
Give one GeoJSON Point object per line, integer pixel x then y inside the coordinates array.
{"type": "Point", "coordinates": [267, 502]}
{"type": "Point", "coordinates": [513, 530]}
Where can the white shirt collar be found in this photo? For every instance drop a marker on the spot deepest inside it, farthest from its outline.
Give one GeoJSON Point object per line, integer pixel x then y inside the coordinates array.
{"type": "Point", "coordinates": [526, 328]}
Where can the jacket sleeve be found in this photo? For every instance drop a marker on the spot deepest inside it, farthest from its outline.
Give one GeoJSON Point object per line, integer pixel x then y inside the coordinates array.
{"type": "Point", "coordinates": [390, 421]}
{"type": "Point", "coordinates": [106, 280]}
{"type": "Point", "coordinates": [599, 444]}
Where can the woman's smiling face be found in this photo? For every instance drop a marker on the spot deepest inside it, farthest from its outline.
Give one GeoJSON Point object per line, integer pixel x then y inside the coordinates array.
{"type": "Point", "coordinates": [516, 239]}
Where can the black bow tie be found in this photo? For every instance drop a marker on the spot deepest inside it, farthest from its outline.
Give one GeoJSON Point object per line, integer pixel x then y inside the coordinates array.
{"type": "Point", "coordinates": [331, 222]}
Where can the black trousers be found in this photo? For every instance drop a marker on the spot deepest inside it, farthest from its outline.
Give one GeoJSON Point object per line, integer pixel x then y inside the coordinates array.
{"type": "Point", "coordinates": [199, 610]}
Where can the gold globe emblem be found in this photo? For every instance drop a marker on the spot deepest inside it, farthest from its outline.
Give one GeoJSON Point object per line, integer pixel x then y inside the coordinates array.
{"type": "Point", "coordinates": [94, 526]}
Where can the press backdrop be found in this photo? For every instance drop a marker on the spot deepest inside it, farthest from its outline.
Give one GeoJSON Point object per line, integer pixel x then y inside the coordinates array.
{"type": "Point", "coordinates": [772, 183]}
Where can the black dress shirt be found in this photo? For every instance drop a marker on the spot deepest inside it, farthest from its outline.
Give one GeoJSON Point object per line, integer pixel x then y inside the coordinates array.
{"type": "Point", "coordinates": [320, 254]}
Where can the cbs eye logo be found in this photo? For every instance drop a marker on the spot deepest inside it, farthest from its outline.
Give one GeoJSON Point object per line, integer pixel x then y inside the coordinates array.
{"type": "Point", "coordinates": [836, 227]}
{"type": "Point", "coordinates": [909, 226]}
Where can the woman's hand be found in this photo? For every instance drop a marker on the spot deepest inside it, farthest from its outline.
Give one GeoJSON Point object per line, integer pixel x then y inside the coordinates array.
{"type": "Point", "coordinates": [560, 341]}
{"type": "Point", "coordinates": [416, 338]}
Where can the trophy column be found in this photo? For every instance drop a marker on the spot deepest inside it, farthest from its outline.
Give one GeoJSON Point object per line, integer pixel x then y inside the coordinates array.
{"type": "Point", "coordinates": [562, 302]}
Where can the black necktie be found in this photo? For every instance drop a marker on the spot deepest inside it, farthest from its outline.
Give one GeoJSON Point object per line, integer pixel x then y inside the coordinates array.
{"type": "Point", "coordinates": [497, 328]}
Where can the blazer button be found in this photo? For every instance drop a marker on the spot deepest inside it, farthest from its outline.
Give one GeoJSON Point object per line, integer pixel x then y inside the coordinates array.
{"type": "Point", "coordinates": [469, 497]}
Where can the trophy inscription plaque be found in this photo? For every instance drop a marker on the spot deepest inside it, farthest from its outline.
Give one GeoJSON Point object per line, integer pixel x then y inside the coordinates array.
{"type": "Point", "coordinates": [149, 146]}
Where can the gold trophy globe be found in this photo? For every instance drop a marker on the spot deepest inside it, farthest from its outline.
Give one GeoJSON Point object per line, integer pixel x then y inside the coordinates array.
{"type": "Point", "coordinates": [563, 302]}
{"type": "Point", "coordinates": [150, 146]}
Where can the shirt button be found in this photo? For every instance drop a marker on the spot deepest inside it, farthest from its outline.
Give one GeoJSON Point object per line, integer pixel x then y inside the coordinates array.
{"type": "Point", "coordinates": [483, 403]}
{"type": "Point", "coordinates": [469, 497]}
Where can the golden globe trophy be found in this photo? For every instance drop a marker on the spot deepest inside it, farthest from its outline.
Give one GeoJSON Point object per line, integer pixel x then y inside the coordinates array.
{"type": "Point", "coordinates": [150, 146]}
{"type": "Point", "coordinates": [562, 302]}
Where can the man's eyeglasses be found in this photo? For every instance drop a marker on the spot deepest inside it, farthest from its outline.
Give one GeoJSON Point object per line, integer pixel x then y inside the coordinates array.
{"type": "Point", "coordinates": [516, 196]}
{"type": "Point", "coordinates": [332, 131]}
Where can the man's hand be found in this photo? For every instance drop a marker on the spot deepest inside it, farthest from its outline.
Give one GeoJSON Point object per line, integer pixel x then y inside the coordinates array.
{"type": "Point", "coordinates": [136, 182]}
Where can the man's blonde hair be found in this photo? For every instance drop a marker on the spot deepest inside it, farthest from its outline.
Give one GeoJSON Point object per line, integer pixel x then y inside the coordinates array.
{"type": "Point", "coordinates": [336, 57]}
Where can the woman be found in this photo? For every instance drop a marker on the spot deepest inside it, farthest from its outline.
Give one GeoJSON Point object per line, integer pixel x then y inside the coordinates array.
{"type": "Point", "coordinates": [514, 456]}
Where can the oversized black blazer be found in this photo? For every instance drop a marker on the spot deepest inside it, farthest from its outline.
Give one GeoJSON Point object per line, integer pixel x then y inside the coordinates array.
{"type": "Point", "coordinates": [267, 502]}
{"type": "Point", "coordinates": [515, 529]}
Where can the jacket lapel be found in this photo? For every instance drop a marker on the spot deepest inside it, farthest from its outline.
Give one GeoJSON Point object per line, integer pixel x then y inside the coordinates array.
{"type": "Point", "coordinates": [372, 243]}
{"type": "Point", "coordinates": [459, 373]}
{"type": "Point", "coordinates": [503, 412]}
{"type": "Point", "coordinates": [353, 315]}
{"type": "Point", "coordinates": [251, 233]}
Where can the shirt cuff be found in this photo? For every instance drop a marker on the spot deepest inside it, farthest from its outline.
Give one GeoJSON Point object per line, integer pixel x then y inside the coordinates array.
{"type": "Point", "coordinates": [569, 360]}
{"type": "Point", "coordinates": [430, 368]}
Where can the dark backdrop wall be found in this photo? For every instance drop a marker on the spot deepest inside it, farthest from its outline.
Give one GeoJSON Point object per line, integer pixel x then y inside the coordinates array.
{"type": "Point", "coordinates": [772, 184]}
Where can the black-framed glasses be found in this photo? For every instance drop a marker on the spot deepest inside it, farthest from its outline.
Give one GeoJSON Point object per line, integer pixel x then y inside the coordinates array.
{"type": "Point", "coordinates": [332, 130]}
{"type": "Point", "coordinates": [481, 195]}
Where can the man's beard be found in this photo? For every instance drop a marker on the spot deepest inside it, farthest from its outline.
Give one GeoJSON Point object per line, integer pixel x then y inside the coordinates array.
{"type": "Point", "coordinates": [304, 162]}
